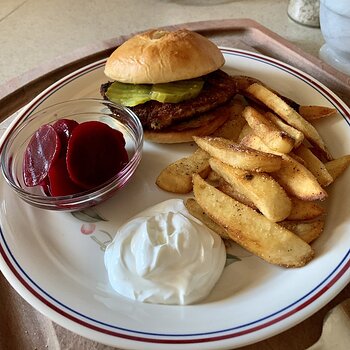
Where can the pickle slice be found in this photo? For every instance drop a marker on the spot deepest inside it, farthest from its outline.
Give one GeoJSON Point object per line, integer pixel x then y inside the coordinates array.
{"type": "Point", "coordinates": [129, 95]}
{"type": "Point", "coordinates": [176, 91]}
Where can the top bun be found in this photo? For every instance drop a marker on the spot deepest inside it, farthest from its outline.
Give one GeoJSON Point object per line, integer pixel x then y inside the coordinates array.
{"type": "Point", "coordinates": [160, 56]}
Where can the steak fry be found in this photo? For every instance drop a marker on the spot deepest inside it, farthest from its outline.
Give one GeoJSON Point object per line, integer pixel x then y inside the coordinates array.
{"type": "Point", "coordinates": [268, 240]}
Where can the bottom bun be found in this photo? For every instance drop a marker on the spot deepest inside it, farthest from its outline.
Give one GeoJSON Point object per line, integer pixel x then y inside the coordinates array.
{"type": "Point", "coordinates": [203, 125]}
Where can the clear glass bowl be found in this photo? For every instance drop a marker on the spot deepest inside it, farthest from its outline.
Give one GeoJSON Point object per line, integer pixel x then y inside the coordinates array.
{"type": "Point", "coordinates": [81, 110]}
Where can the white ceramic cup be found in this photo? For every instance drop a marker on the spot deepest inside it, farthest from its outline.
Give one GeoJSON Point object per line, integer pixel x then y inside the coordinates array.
{"type": "Point", "coordinates": [335, 27]}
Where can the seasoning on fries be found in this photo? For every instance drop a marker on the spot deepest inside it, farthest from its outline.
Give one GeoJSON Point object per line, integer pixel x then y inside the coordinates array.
{"type": "Point", "coordinates": [266, 180]}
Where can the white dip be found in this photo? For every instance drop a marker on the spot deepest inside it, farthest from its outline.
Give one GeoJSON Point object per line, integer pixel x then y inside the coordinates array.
{"type": "Point", "coordinates": [164, 255]}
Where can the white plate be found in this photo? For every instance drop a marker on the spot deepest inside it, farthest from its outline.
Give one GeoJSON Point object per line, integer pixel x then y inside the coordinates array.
{"type": "Point", "coordinates": [59, 270]}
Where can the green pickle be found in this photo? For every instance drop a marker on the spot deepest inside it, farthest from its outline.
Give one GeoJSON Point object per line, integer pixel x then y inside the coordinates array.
{"type": "Point", "coordinates": [131, 95]}
{"type": "Point", "coordinates": [176, 91]}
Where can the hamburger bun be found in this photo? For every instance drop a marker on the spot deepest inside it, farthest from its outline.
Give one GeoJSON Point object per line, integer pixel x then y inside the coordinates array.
{"type": "Point", "coordinates": [160, 57]}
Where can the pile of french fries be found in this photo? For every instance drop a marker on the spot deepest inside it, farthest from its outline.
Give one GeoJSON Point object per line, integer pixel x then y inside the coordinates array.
{"type": "Point", "coordinates": [261, 178]}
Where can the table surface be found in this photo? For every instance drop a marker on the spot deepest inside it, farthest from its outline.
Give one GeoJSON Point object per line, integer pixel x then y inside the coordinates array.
{"type": "Point", "coordinates": [33, 32]}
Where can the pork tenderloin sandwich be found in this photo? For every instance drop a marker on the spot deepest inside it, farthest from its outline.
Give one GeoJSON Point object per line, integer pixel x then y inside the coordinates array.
{"type": "Point", "coordinates": [173, 83]}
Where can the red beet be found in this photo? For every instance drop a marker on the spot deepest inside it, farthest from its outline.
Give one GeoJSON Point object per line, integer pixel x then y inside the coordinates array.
{"type": "Point", "coordinates": [95, 154]}
{"type": "Point", "coordinates": [41, 152]}
{"type": "Point", "coordinates": [64, 129]}
{"type": "Point", "coordinates": [60, 182]}
{"type": "Point", "coordinates": [119, 136]}
{"type": "Point", "coordinates": [58, 177]}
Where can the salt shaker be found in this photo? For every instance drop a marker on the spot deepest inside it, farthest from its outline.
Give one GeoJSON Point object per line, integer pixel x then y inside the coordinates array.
{"type": "Point", "coordinates": [305, 12]}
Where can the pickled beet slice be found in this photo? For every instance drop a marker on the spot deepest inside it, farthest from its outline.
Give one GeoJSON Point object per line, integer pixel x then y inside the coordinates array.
{"type": "Point", "coordinates": [41, 152]}
{"type": "Point", "coordinates": [64, 129]}
{"type": "Point", "coordinates": [119, 136]}
{"type": "Point", "coordinates": [60, 182]}
{"type": "Point", "coordinates": [95, 154]}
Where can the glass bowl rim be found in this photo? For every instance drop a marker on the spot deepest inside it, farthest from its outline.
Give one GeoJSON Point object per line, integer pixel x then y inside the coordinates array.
{"type": "Point", "coordinates": [19, 123]}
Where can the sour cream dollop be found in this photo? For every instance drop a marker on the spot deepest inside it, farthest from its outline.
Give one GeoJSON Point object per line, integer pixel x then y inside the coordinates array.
{"type": "Point", "coordinates": [166, 256]}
